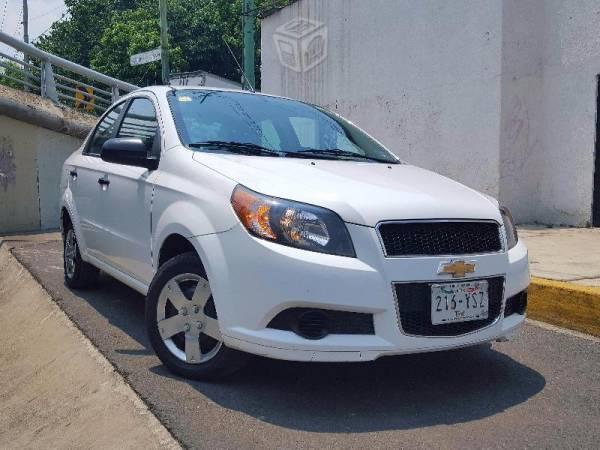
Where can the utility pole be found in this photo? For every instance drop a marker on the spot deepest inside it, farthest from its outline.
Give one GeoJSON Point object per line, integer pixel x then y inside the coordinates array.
{"type": "Point", "coordinates": [25, 22]}
{"type": "Point", "coordinates": [248, 20]}
{"type": "Point", "coordinates": [164, 41]}
{"type": "Point", "coordinates": [26, 40]}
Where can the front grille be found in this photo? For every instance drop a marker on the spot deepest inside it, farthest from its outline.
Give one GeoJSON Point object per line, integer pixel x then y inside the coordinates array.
{"type": "Point", "coordinates": [517, 304]}
{"type": "Point", "coordinates": [313, 323]}
{"type": "Point", "coordinates": [414, 307]}
{"type": "Point", "coordinates": [439, 238]}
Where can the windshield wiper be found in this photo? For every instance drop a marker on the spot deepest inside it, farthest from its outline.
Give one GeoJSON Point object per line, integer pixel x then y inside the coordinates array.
{"type": "Point", "coordinates": [243, 148]}
{"type": "Point", "coordinates": [332, 153]}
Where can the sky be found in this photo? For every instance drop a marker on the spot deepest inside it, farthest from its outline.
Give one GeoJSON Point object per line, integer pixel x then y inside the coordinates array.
{"type": "Point", "coordinates": [42, 13]}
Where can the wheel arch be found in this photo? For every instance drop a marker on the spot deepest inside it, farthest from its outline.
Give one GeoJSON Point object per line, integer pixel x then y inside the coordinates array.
{"type": "Point", "coordinates": [65, 220]}
{"type": "Point", "coordinates": [210, 258]}
{"type": "Point", "coordinates": [68, 215]}
{"type": "Point", "coordinates": [173, 245]}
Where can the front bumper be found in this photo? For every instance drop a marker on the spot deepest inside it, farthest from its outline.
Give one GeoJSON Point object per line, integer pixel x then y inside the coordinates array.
{"type": "Point", "coordinates": [253, 280]}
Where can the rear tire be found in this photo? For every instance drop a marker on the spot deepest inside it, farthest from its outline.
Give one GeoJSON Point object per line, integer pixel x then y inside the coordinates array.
{"type": "Point", "coordinates": [78, 273]}
{"type": "Point", "coordinates": [182, 323]}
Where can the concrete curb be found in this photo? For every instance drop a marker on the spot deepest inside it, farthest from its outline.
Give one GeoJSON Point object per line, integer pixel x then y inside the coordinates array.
{"type": "Point", "coordinates": [56, 389]}
{"type": "Point", "coordinates": [565, 305]}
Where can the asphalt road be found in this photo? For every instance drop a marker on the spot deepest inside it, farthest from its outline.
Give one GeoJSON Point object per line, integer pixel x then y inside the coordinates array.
{"type": "Point", "coordinates": [540, 390]}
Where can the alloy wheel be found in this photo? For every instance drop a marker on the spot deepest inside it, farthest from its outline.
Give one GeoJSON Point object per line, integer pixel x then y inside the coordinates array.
{"type": "Point", "coordinates": [186, 319]}
{"type": "Point", "coordinates": [70, 253]}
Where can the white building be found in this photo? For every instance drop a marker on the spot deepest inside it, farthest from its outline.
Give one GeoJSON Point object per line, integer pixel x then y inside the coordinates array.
{"type": "Point", "coordinates": [202, 78]}
{"type": "Point", "coordinates": [499, 94]}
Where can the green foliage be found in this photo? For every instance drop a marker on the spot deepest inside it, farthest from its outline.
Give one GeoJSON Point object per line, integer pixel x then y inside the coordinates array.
{"type": "Point", "coordinates": [127, 33]}
{"type": "Point", "coordinates": [10, 72]}
{"type": "Point", "coordinates": [103, 34]}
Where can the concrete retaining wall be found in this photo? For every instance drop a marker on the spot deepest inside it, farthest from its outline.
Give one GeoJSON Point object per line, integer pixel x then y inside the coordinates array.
{"type": "Point", "coordinates": [35, 139]}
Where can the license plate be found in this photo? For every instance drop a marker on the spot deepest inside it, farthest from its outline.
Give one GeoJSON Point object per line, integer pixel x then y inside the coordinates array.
{"type": "Point", "coordinates": [459, 302]}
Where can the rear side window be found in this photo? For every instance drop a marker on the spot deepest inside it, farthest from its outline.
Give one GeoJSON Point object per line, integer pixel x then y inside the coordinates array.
{"type": "Point", "coordinates": [104, 131]}
{"type": "Point", "coordinates": [140, 122]}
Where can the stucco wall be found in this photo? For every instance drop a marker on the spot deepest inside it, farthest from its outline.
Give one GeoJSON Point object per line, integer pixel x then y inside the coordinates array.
{"type": "Point", "coordinates": [436, 108]}
{"type": "Point", "coordinates": [551, 60]}
{"type": "Point", "coordinates": [571, 66]}
{"type": "Point", "coordinates": [31, 158]}
{"type": "Point", "coordinates": [522, 114]}
{"type": "Point", "coordinates": [498, 94]}
{"type": "Point", "coordinates": [34, 157]}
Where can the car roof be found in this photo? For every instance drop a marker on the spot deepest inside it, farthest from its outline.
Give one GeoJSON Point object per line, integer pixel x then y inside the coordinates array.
{"type": "Point", "coordinates": [164, 89]}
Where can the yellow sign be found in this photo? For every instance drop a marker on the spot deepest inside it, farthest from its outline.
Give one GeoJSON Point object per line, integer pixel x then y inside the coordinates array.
{"type": "Point", "coordinates": [84, 98]}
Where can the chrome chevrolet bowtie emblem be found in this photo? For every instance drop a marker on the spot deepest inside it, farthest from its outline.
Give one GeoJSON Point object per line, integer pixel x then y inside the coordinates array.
{"type": "Point", "coordinates": [458, 269]}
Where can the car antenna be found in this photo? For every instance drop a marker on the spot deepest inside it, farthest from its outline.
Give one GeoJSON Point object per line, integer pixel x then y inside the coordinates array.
{"type": "Point", "coordinates": [238, 64]}
{"type": "Point", "coordinates": [170, 86]}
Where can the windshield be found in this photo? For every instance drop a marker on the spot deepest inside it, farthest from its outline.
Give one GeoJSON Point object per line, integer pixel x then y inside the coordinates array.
{"type": "Point", "coordinates": [268, 126]}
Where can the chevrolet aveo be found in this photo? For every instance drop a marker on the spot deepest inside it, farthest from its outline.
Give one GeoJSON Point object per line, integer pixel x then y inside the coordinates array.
{"type": "Point", "coordinates": [259, 224]}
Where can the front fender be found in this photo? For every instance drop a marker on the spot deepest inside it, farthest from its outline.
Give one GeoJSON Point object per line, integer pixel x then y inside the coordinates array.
{"type": "Point", "coordinates": [197, 223]}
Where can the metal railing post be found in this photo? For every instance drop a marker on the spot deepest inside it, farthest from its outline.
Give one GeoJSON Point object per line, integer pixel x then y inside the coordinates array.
{"type": "Point", "coordinates": [43, 80]}
{"type": "Point", "coordinates": [48, 89]}
{"type": "Point", "coordinates": [91, 90]}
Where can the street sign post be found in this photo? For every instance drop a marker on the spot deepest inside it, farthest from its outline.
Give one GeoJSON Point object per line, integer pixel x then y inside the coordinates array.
{"type": "Point", "coordinates": [145, 57]}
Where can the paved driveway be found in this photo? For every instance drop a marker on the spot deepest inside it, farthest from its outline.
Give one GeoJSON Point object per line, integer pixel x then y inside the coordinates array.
{"type": "Point", "coordinates": [541, 390]}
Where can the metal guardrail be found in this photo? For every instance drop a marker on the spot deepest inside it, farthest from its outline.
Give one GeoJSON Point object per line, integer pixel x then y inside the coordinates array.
{"type": "Point", "coordinates": [58, 79]}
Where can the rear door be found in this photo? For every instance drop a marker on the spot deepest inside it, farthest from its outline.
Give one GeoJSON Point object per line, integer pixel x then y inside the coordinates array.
{"type": "Point", "coordinates": [87, 192]}
{"type": "Point", "coordinates": [127, 200]}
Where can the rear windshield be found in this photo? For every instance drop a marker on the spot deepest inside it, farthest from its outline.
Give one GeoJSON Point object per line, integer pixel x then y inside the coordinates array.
{"type": "Point", "coordinates": [276, 124]}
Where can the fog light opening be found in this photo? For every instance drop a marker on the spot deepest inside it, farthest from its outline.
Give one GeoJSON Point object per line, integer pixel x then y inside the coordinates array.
{"type": "Point", "coordinates": [312, 324]}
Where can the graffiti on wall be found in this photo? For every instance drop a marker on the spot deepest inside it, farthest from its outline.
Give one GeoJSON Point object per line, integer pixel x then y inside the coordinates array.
{"type": "Point", "coordinates": [8, 169]}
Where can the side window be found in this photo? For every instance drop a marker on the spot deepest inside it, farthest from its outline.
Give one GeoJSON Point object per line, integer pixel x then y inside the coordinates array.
{"type": "Point", "coordinates": [104, 131]}
{"type": "Point", "coordinates": [140, 122]}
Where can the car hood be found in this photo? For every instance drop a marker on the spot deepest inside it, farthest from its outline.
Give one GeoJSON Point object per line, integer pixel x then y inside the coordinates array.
{"type": "Point", "coordinates": [360, 192]}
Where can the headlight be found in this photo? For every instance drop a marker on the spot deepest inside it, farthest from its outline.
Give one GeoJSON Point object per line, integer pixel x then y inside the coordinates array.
{"type": "Point", "coordinates": [509, 226]}
{"type": "Point", "coordinates": [292, 223]}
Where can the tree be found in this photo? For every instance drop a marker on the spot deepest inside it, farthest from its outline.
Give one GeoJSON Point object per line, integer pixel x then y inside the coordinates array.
{"type": "Point", "coordinates": [10, 72]}
{"type": "Point", "coordinates": [129, 32]}
{"type": "Point", "coordinates": [103, 34]}
{"type": "Point", "coordinates": [75, 37]}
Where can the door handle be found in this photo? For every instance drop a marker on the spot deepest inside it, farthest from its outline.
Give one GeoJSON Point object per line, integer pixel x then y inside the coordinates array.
{"type": "Point", "coordinates": [73, 174]}
{"type": "Point", "coordinates": [103, 182]}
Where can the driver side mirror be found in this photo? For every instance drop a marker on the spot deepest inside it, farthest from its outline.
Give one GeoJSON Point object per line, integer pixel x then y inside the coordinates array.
{"type": "Point", "coordinates": [128, 151]}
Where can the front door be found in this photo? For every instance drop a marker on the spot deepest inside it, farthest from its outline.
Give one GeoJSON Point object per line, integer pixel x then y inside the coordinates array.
{"type": "Point", "coordinates": [87, 191]}
{"type": "Point", "coordinates": [126, 205]}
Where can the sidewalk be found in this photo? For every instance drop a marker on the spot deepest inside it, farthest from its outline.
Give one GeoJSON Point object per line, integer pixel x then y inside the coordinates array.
{"type": "Point", "coordinates": [56, 389]}
{"type": "Point", "coordinates": [564, 254]}
{"type": "Point", "coordinates": [565, 270]}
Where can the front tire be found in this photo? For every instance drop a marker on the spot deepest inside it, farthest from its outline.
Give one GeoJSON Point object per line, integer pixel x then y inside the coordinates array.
{"type": "Point", "coordinates": [78, 273]}
{"type": "Point", "coordinates": [182, 323]}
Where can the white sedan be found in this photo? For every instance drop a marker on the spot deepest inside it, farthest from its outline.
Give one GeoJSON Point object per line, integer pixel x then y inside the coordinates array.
{"type": "Point", "coordinates": [263, 225]}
